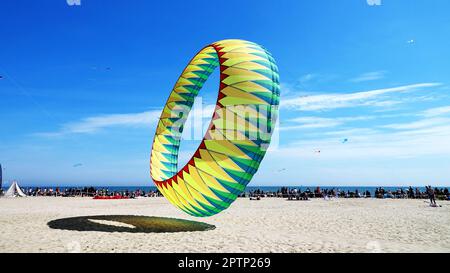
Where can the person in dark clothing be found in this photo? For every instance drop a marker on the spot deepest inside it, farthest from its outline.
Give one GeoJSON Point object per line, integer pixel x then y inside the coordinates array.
{"type": "Point", "coordinates": [410, 193]}
{"type": "Point", "coordinates": [431, 195]}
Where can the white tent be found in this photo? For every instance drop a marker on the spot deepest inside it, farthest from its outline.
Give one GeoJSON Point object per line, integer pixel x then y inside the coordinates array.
{"type": "Point", "coordinates": [14, 191]}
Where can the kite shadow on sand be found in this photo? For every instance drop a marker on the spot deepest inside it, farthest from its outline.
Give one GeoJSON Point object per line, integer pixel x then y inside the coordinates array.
{"type": "Point", "coordinates": [128, 223]}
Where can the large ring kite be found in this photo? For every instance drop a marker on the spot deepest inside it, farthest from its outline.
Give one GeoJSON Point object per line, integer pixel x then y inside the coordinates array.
{"type": "Point", "coordinates": [237, 137]}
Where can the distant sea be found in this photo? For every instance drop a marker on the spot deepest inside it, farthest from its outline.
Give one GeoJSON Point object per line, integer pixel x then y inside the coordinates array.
{"type": "Point", "coordinates": [361, 189]}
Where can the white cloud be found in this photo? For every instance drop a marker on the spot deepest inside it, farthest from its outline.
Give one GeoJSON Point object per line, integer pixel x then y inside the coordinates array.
{"type": "Point", "coordinates": [418, 124]}
{"type": "Point", "coordinates": [312, 122]}
{"type": "Point", "coordinates": [351, 132]}
{"type": "Point", "coordinates": [97, 123]}
{"type": "Point", "coordinates": [416, 143]}
{"type": "Point", "coordinates": [306, 78]}
{"type": "Point", "coordinates": [438, 111]}
{"type": "Point", "coordinates": [337, 100]}
{"type": "Point", "coordinates": [425, 137]}
{"type": "Point", "coordinates": [92, 124]}
{"type": "Point", "coordinates": [370, 76]}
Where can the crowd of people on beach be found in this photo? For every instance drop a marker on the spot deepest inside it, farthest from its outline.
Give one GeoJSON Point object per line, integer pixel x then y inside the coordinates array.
{"type": "Point", "coordinates": [256, 194]}
{"type": "Point", "coordinates": [90, 192]}
{"type": "Point", "coordinates": [298, 194]}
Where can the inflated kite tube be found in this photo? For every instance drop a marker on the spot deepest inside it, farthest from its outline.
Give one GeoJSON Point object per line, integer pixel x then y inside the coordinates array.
{"type": "Point", "coordinates": [237, 137]}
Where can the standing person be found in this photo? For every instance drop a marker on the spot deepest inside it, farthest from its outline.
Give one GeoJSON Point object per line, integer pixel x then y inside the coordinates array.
{"type": "Point", "coordinates": [418, 194]}
{"type": "Point", "coordinates": [410, 193]}
{"type": "Point", "coordinates": [431, 196]}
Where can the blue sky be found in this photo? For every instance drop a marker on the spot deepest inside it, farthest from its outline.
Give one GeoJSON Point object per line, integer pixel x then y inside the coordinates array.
{"type": "Point", "coordinates": [82, 87]}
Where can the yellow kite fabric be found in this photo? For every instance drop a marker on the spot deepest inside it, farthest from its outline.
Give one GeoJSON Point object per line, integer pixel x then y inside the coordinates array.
{"type": "Point", "coordinates": [237, 137]}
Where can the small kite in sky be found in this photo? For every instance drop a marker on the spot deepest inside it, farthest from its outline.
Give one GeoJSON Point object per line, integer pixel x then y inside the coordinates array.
{"type": "Point", "coordinates": [281, 170]}
{"type": "Point", "coordinates": [345, 140]}
{"type": "Point", "coordinates": [77, 165]}
{"type": "Point", "coordinates": [410, 41]}
{"type": "Point", "coordinates": [317, 151]}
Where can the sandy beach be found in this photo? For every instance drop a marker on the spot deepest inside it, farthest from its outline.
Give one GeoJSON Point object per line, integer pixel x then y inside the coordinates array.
{"type": "Point", "coordinates": [269, 225]}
